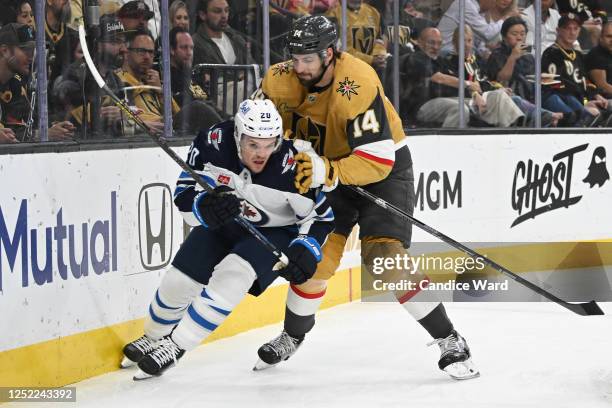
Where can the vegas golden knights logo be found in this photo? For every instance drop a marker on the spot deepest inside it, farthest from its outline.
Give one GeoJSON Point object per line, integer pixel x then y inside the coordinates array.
{"type": "Point", "coordinates": [363, 39]}
{"type": "Point", "coordinates": [404, 34]}
{"type": "Point", "coordinates": [306, 129]}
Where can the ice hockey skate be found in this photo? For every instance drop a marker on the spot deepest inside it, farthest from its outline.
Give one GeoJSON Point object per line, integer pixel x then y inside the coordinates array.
{"type": "Point", "coordinates": [455, 357]}
{"type": "Point", "coordinates": [278, 349]}
{"type": "Point", "coordinates": [165, 355]}
{"type": "Point", "coordinates": [134, 351]}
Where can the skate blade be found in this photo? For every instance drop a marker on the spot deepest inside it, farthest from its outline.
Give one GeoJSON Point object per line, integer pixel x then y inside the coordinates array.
{"type": "Point", "coordinates": [463, 370]}
{"type": "Point", "coordinates": [141, 375]}
{"type": "Point", "coordinates": [127, 363]}
{"type": "Point", "coordinates": [262, 365]}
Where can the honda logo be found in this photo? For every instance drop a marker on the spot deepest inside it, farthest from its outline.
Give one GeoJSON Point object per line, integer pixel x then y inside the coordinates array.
{"type": "Point", "coordinates": [155, 225]}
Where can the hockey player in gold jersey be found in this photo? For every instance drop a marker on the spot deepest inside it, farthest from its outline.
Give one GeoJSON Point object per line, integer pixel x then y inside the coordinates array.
{"type": "Point", "coordinates": [351, 135]}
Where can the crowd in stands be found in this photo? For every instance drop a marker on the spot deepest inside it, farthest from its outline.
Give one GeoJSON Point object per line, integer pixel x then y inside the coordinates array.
{"type": "Point", "coordinates": [499, 65]}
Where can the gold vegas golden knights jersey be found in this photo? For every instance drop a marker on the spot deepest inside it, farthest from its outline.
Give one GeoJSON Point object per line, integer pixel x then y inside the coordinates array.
{"type": "Point", "coordinates": [363, 36]}
{"type": "Point", "coordinates": [351, 121]}
{"type": "Point", "coordinates": [149, 100]}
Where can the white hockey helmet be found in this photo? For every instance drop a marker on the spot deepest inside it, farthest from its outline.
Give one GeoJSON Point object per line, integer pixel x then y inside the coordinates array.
{"type": "Point", "coordinates": [258, 119]}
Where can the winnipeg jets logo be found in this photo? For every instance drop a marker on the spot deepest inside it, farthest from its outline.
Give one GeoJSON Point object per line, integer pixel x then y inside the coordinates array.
{"type": "Point", "coordinates": [215, 137]}
{"type": "Point", "coordinates": [282, 68]}
{"type": "Point", "coordinates": [347, 88]}
{"type": "Point", "coordinates": [253, 215]}
{"type": "Point", "coordinates": [288, 162]}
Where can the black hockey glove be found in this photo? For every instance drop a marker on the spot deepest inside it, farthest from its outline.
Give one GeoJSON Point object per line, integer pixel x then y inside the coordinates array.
{"type": "Point", "coordinates": [217, 208]}
{"type": "Point", "coordinates": [304, 253]}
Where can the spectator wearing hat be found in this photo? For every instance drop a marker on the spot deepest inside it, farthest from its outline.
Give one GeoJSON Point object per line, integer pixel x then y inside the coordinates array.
{"type": "Point", "coordinates": [593, 15]}
{"type": "Point", "coordinates": [572, 95]}
{"type": "Point", "coordinates": [599, 62]}
{"type": "Point", "coordinates": [16, 54]}
{"type": "Point", "coordinates": [135, 16]}
{"type": "Point", "coordinates": [76, 83]}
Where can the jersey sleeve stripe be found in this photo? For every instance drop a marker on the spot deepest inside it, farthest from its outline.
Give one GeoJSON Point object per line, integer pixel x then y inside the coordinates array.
{"type": "Point", "coordinates": [376, 159]}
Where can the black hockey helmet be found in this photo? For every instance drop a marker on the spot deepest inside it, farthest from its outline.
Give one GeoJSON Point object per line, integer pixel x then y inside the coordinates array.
{"type": "Point", "coordinates": [310, 34]}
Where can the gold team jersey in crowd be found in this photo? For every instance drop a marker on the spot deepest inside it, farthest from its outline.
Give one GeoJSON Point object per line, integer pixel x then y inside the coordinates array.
{"type": "Point", "coordinates": [149, 100]}
{"type": "Point", "coordinates": [363, 36]}
{"type": "Point", "coordinates": [350, 122]}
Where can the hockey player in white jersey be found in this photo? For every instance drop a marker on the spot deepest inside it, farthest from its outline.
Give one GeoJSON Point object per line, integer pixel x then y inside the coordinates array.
{"type": "Point", "coordinates": [252, 170]}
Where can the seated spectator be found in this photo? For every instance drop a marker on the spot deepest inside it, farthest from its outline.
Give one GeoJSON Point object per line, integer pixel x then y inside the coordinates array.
{"type": "Point", "coordinates": [215, 42]}
{"type": "Point", "coordinates": [571, 96]}
{"type": "Point", "coordinates": [178, 15]}
{"type": "Point", "coordinates": [416, 70]}
{"type": "Point", "coordinates": [501, 10]}
{"type": "Point", "coordinates": [592, 14]}
{"type": "Point", "coordinates": [489, 102]}
{"type": "Point", "coordinates": [76, 88]}
{"type": "Point", "coordinates": [429, 95]}
{"type": "Point", "coordinates": [599, 62]}
{"type": "Point", "coordinates": [142, 82]}
{"type": "Point", "coordinates": [60, 38]}
{"type": "Point", "coordinates": [484, 32]}
{"type": "Point", "coordinates": [511, 63]}
{"type": "Point", "coordinates": [196, 113]}
{"type": "Point", "coordinates": [16, 53]}
{"type": "Point", "coordinates": [550, 20]}
{"type": "Point", "coordinates": [16, 11]}
{"type": "Point", "coordinates": [24, 13]}
{"type": "Point", "coordinates": [364, 35]}
{"type": "Point", "coordinates": [135, 16]}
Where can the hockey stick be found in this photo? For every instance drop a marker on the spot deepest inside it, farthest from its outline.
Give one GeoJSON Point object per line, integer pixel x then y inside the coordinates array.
{"type": "Point", "coordinates": [583, 309]}
{"type": "Point", "coordinates": [161, 142]}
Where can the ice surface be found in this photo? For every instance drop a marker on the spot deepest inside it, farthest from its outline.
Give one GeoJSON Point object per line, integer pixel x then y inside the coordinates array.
{"type": "Point", "coordinates": [374, 355]}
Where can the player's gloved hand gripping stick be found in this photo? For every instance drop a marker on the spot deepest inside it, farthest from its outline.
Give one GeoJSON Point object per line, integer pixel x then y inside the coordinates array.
{"type": "Point", "coordinates": [161, 142]}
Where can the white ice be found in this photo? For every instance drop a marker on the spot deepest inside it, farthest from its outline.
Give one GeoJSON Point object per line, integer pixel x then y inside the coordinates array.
{"type": "Point", "coordinates": [374, 355]}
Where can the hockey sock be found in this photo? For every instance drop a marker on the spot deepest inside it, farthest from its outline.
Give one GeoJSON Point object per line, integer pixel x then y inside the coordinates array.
{"type": "Point", "coordinates": [301, 309]}
{"type": "Point", "coordinates": [175, 293]}
{"type": "Point", "coordinates": [436, 322]}
{"type": "Point", "coordinates": [229, 283]}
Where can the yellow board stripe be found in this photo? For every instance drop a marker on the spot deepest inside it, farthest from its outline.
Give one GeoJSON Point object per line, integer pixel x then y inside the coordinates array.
{"type": "Point", "coordinates": [531, 257]}
{"type": "Point", "coordinates": [76, 357]}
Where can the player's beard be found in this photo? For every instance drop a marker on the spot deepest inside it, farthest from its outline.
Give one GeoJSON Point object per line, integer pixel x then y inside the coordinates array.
{"type": "Point", "coordinates": [309, 83]}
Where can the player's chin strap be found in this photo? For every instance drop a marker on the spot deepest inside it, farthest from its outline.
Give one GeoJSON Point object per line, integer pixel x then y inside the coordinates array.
{"type": "Point", "coordinates": [161, 142]}
{"type": "Point", "coordinates": [583, 309]}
